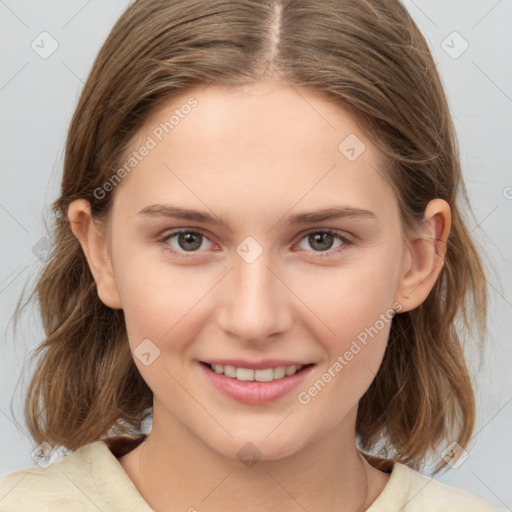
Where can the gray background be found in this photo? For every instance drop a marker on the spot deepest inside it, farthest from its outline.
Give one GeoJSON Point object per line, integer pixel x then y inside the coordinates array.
{"type": "Point", "coordinates": [37, 98]}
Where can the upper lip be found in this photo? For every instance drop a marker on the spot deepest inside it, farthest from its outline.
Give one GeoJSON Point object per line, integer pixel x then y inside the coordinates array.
{"type": "Point", "coordinates": [256, 365]}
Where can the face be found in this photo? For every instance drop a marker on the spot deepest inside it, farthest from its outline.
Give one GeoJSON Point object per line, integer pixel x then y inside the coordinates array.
{"type": "Point", "coordinates": [266, 284]}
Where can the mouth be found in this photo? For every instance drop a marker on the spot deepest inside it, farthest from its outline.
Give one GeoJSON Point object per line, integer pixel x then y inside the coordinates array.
{"type": "Point", "coordinates": [254, 386]}
{"type": "Point", "coordinates": [256, 375]}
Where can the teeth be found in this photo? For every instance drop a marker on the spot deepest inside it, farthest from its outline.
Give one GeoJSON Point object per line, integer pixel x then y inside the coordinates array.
{"type": "Point", "coordinates": [290, 370]}
{"type": "Point", "coordinates": [279, 372]}
{"type": "Point", "coordinates": [229, 371]}
{"type": "Point", "coordinates": [264, 375]}
{"type": "Point", "coordinates": [244, 374]}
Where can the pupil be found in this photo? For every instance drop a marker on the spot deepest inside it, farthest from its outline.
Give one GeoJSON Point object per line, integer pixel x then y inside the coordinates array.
{"type": "Point", "coordinates": [188, 238]}
{"type": "Point", "coordinates": [321, 238]}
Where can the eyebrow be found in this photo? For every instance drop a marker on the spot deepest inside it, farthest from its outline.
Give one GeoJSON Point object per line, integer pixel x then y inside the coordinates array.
{"type": "Point", "coordinates": [336, 212]}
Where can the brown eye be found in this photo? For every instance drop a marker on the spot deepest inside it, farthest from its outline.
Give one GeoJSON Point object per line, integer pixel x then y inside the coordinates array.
{"type": "Point", "coordinates": [322, 241]}
{"type": "Point", "coordinates": [184, 241]}
{"type": "Point", "coordinates": [189, 241]}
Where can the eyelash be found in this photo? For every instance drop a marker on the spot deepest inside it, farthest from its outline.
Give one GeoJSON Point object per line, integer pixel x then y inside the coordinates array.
{"type": "Point", "coordinates": [321, 254]}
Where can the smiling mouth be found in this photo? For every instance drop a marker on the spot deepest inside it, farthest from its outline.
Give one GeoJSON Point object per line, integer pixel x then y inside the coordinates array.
{"type": "Point", "coordinates": [261, 375]}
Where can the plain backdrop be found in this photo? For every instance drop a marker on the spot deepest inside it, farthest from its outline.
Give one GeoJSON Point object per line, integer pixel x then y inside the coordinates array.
{"type": "Point", "coordinates": [471, 42]}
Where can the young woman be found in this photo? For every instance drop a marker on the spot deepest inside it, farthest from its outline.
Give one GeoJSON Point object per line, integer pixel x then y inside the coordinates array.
{"type": "Point", "coordinates": [259, 242]}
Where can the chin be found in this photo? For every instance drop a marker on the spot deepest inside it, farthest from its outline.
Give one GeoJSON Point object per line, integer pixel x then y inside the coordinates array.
{"type": "Point", "coordinates": [256, 447]}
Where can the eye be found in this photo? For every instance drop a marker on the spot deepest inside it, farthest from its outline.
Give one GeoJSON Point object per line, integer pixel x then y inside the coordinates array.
{"type": "Point", "coordinates": [322, 241]}
{"type": "Point", "coordinates": [191, 241]}
{"type": "Point", "coordinates": [185, 241]}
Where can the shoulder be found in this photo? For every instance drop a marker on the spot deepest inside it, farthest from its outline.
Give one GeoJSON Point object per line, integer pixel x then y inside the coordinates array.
{"type": "Point", "coordinates": [70, 480]}
{"type": "Point", "coordinates": [410, 491]}
{"type": "Point", "coordinates": [91, 478]}
{"type": "Point", "coordinates": [438, 496]}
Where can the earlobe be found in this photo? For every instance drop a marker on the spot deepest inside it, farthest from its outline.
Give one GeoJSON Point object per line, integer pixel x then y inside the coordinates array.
{"type": "Point", "coordinates": [426, 252]}
{"type": "Point", "coordinates": [94, 243]}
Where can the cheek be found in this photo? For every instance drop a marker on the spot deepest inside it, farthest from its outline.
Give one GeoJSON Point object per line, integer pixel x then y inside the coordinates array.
{"type": "Point", "coordinates": [359, 316]}
{"type": "Point", "coordinates": [353, 297]}
{"type": "Point", "coordinates": [160, 310]}
{"type": "Point", "coordinates": [355, 302]}
{"type": "Point", "coordinates": [362, 307]}
{"type": "Point", "coordinates": [161, 301]}
{"type": "Point", "coordinates": [155, 294]}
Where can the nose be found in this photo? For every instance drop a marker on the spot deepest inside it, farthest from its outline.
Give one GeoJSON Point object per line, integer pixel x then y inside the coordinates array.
{"type": "Point", "coordinates": [255, 302]}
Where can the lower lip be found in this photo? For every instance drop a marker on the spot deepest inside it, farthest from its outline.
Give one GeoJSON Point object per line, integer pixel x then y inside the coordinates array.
{"type": "Point", "coordinates": [252, 392]}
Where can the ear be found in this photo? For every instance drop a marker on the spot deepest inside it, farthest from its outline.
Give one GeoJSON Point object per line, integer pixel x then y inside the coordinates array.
{"type": "Point", "coordinates": [94, 242]}
{"type": "Point", "coordinates": [426, 250]}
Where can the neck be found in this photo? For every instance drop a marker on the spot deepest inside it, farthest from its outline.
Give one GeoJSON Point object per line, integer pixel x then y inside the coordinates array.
{"type": "Point", "coordinates": [173, 469]}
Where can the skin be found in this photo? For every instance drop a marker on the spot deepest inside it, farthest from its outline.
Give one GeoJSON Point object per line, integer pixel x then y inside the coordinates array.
{"type": "Point", "coordinates": [255, 155]}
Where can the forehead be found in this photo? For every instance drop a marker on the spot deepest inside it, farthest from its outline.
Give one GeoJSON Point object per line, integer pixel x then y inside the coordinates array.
{"type": "Point", "coordinates": [266, 114]}
{"type": "Point", "coordinates": [259, 145]}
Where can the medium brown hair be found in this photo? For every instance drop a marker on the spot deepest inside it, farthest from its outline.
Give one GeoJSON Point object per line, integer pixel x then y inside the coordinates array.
{"type": "Point", "coordinates": [366, 55]}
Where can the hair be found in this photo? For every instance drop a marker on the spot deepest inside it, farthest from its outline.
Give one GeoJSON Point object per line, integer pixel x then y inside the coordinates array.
{"type": "Point", "coordinates": [367, 56]}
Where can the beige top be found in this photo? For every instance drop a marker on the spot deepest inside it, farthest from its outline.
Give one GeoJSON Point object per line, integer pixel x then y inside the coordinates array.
{"type": "Point", "coordinates": [91, 479]}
